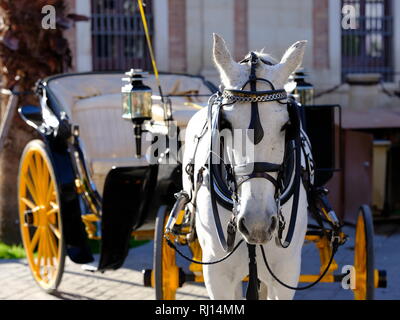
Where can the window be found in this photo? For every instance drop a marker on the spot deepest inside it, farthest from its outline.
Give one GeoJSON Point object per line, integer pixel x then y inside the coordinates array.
{"type": "Point", "coordinates": [369, 47]}
{"type": "Point", "coordinates": [118, 39]}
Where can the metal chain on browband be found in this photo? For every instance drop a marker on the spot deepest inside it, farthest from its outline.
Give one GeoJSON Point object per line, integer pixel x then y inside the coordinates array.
{"type": "Point", "coordinates": [269, 96]}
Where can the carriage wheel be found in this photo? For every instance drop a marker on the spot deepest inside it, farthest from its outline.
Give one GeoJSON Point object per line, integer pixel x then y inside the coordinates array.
{"type": "Point", "coordinates": [364, 255]}
{"type": "Point", "coordinates": [39, 214]}
{"type": "Point", "coordinates": [166, 272]}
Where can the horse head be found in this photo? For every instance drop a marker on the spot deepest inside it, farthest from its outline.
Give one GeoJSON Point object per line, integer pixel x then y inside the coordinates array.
{"type": "Point", "coordinates": [257, 207]}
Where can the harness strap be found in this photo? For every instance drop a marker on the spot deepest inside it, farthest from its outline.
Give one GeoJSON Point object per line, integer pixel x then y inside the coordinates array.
{"type": "Point", "coordinates": [264, 175]}
{"type": "Point", "coordinates": [295, 116]}
{"type": "Point", "coordinates": [257, 167]}
{"type": "Point", "coordinates": [227, 245]}
{"type": "Point", "coordinates": [252, 288]}
{"type": "Point", "coordinates": [255, 122]}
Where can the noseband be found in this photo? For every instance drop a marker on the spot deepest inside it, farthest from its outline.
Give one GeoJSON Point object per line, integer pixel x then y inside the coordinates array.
{"type": "Point", "coordinates": [224, 190]}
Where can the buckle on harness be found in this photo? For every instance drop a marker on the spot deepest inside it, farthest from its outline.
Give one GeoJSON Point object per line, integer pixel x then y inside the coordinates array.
{"type": "Point", "coordinates": [231, 232]}
{"type": "Point", "coordinates": [281, 226]}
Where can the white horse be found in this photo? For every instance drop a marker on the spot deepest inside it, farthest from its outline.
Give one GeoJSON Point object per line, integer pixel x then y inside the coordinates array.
{"type": "Point", "coordinates": [258, 207]}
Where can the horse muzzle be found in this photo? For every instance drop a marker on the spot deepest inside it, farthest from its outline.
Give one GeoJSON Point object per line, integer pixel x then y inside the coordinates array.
{"type": "Point", "coordinates": [257, 233]}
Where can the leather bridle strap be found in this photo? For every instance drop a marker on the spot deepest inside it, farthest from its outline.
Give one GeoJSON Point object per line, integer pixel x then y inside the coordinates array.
{"type": "Point", "coordinates": [248, 57]}
{"type": "Point", "coordinates": [213, 123]}
{"type": "Point", "coordinates": [253, 175]}
{"type": "Point", "coordinates": [255, 122]}
{"type": "Point", "coordinates": [257, 167]}
{"type": "Point", "coordinates": [257, 170]}
{"type": "Point", "coordinates": [295, 118]}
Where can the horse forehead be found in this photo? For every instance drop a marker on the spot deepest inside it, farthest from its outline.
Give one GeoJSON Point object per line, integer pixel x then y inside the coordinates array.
{"type": "Point", "coordinates": [272, 115]}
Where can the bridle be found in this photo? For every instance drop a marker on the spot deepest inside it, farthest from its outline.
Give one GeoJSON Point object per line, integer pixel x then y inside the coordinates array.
{"type": "Point", "coordinates": [236, 175]}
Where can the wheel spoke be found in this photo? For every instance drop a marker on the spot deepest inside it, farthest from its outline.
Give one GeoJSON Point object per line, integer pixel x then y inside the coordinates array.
{"type": "Point", "coordinates": [54, 205]}
{"type": "Point", "coordinates": [31, 188]}
{"type": "Point", "coordinates": [51, 214]}
{"type": "Point", "coordinates": [46, 184]}
{"type": "Point", "coordinates": [34, 241]}
{"type": "Point", "coordinates": [40, 252]}
{"type": "Point", "coordinates": [52, 244]}
{"type": "Point", "coordinates": [45, 249]}
{"type": "Point", "coordinates": [52, 211]}
{"type": "Point", "coordinates": [56, 232]}
{"type": "Point", "coordinates": [34, 174]}
{"type": "Point", "coordinates": [39, 178]}
{"type": "Point", "coordinates": [41, 171]}
{"type": "Point", "coordinates": [50, 192]}
{"type": "Point", "coordinates": [29, 203]}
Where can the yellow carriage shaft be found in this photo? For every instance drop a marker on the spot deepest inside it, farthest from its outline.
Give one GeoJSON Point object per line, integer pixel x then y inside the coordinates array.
{"type": "Point", "coordinates": [322, 243]}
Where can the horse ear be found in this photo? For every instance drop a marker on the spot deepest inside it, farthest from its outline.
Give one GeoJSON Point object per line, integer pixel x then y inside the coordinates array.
{"type": "Point", "coordinates": [292, 59]}
{"type": "Point", "coordinates": [223, 58]}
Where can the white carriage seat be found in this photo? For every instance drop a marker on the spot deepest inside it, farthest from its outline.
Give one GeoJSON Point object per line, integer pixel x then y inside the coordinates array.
{"type": "Point", "coordinates": [108, 139]}
{"type": "Point", "coordinates": [95, 105]}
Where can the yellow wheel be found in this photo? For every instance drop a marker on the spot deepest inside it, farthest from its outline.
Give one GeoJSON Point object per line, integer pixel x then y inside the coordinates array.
{"type": "Point", "coordinates": [364, 255]}
{"type": "Point", "coordinates": [40, 219]}
{"type": "Point", "coordinates": [166, 272]}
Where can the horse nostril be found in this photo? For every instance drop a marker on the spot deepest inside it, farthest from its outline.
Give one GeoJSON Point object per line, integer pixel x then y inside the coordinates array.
{"type": "Point", "coordinates": [242, 227]}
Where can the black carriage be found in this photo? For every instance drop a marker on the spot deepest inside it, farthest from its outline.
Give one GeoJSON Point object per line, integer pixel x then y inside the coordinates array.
{"type": "Point", "coordinates": [82, 180]}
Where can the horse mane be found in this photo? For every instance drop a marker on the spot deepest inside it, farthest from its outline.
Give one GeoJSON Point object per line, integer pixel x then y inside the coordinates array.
{"type": "Point", "coordinates": [267, 57]}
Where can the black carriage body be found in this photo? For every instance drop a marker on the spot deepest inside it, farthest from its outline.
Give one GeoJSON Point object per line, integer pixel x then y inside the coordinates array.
{"type": "Point", "coordinates": [131, 200]}
{"type": "Point", "coordinates": [131, 197]}
{"type": "Point", "coordinates": [322, 123]}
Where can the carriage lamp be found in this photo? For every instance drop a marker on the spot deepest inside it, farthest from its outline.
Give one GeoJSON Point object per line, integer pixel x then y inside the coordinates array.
{"type": "Point", "coordinates": [136, 104]}
{"type": "Point", "coordinates": [303, 92]}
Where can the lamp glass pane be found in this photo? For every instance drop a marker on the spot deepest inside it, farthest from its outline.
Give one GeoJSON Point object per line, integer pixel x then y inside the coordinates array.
{"type": "Point", "coordinates": [141, 104]}
{"type": "Point", "coordinates": [126, 105]}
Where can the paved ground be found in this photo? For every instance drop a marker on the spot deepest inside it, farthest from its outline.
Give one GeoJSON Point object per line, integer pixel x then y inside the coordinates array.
{"type": "Point", "coordinates": [16, 282]}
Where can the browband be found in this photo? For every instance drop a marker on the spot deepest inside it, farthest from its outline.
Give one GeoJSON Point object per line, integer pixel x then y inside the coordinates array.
{"type": "Point", "coordinates": [233, 95]}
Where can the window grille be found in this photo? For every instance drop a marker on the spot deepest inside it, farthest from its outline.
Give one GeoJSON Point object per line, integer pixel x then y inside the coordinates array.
{"type": "Point", "coordinates": [369, 47]}
{"type": "Point", "coordinates": [118, 39]}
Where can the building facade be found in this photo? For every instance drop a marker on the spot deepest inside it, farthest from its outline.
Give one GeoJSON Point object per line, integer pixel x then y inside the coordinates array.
{"type": "Point", "coordinates": [182, 36]}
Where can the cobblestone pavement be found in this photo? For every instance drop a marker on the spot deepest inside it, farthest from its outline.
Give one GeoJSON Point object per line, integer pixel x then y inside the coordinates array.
{"type": "Point", "coordinates": [126, 283]}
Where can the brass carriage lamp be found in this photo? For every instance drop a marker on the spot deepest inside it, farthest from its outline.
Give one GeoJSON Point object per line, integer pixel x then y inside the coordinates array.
{"type": "Point", "coordinates": [136, 104]}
